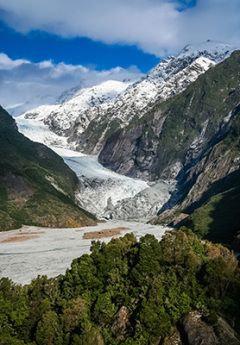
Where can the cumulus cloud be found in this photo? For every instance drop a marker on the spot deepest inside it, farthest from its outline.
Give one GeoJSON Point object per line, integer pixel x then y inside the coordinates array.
{"type": "Point", "coordinates": [156, 26]}
{"type": "Point", "coordinates": [6, 63]}
{"type": "Point", "coordinates": [25, 85]}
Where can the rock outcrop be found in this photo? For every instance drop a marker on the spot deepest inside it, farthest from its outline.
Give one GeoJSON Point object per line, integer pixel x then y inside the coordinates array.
{"type": "Point", "coordinates": [198, 332]}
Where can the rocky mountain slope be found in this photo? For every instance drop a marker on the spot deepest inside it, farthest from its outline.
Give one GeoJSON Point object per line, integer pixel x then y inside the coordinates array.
{"type": "Point", "coordinates": [194, 135]}
{"type": "Point", "coordinates": [36, 186]}
{"type": "Point", "coordinates": [210, 189]}
{"type": "Point", "coordinates": [60, 118]}
{"type": "Point", "coordinates": [173, 134]}
{"type": "Point", "coordinates": [88, 124]}
{"type": "Point", "coordinates": [161, 83]}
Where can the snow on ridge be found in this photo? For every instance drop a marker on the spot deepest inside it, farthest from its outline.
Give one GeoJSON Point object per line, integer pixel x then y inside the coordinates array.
{"type": "Point", "coordinates": [62, 116]}
{"type": "Point", "coordinates": [124, 100]}
{"type": "Point", "coordinates": [216, 51]}
{"type": "Point", "coordinates": [70, 93]}
{"type": "Point", "coordinates": [137, 96]}
{"type": "Point", "coordinates": [100, 93]}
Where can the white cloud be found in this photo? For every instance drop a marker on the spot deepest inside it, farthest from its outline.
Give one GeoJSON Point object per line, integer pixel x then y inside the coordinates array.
{"type": "Point", "coordinates": [6, 63]}
{"type": "Point", "coordinates": [28, 84]}
{"type": "Point", "coordinates": [45, 64]}
{"type": "Point", "coordinates": [156, 26]}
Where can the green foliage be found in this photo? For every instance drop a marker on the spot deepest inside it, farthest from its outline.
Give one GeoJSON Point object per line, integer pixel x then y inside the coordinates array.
{"type": "Point", "coordinates": [218, 218]}
{"type": "Point", "coordinates": [125, 292]}
{"type": "Point", "coordinates": [49, 330]}
{"type": "Point", "coordinates": [36, 186]}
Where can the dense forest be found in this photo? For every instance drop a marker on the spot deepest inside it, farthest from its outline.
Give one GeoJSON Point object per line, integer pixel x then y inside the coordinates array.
{"type": "Point", "coordinates": [126, 292]}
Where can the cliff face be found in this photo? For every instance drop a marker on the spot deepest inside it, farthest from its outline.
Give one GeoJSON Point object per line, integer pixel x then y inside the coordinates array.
{"type": "Point", "coordinates": [36, 186]}
{"type": "Point", "coordinates": [209, 189]}
{"type": "Point", "coordinates": [194, 137]}
{"type": "Point", "coordinates": [174, 134]}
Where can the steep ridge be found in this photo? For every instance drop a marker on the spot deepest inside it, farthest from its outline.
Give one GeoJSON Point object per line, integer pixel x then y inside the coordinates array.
{"type": "Point", "coordinates": [168, 78]}
{"type": "Point", "coordinates": [159, 85]}
{"type": "Point", "coordinates": [173, 134]}
{"type": "Point", "coordinates": [194, 135]}
{"type": "Point", "coordinates": [87, 125]}
{"type": "Point", "coordinates": [36, 186]}
{"type": "Point", "coordinates": [210, 189]}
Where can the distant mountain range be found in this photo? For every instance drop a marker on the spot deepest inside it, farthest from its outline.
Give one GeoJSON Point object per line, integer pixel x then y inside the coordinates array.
{"type": "Point", "coordinates": [175, 123]}
{"type": "Point", "coordinates": [178, 129]}
{"type": "Point", "coordinates": [93, 114]}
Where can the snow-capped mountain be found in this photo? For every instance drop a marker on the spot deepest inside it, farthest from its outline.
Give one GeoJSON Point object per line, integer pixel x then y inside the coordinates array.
{"type": "Point", "coordinates": [93, 113]}
{"type": "Point", "coordinates": [84, 116]}
{"type": "Point", "coordinates": [216, 51]}
{"type": "Point", "coordinates": [33, 102]}
{"type": "Point", "coordinates": [167, 79]}
{"type": "Point", "coordinates": [69, 94]}
{"type": "Point", "coordinates": [61, 117]}
{"type": "Point", "coordinates": [136, 100]}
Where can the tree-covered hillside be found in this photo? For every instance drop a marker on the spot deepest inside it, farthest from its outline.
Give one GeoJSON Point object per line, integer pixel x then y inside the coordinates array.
{"type": "Point", "coordinates": [36, 186]}
{"type": "Point", "coordinates": [131, 293]}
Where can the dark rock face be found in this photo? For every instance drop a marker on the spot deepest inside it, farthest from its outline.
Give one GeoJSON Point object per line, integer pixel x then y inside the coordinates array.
{"type": "Point", "coordinates": [210, 190]}
{"type": "Point", "coordinates": [173, 339]}
{"type": "Point", "coordinates": [194, 135]}
{"type": "Point", "coordinates": [128, 149]}
{"type": "Point", "coordinates": [176, 133]}
{"type": "Point", "coordinates": [198, 332]}
{"type": "Point", "coordinates": [121, 323]}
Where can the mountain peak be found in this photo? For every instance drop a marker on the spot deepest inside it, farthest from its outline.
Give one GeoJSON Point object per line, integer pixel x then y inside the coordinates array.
{"type": "Point", "coordinates": [213, 50]}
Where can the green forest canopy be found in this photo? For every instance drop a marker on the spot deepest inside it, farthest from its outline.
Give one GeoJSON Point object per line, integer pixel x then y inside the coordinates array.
{"type": "Point", "coordinates": [152, 284]}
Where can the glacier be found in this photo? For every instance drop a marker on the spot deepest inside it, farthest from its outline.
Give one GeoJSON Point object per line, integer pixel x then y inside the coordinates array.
{"type": "Point", "coordinates": [101, 191]}
{"type": "Point", "coordinates": [51, 251]}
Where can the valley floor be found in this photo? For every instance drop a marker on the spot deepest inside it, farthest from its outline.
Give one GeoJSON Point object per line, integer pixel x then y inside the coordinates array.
{"type": "Point", "coordinates": [33, 251]}
{"type": "Point", "coordinates": [48, 251]}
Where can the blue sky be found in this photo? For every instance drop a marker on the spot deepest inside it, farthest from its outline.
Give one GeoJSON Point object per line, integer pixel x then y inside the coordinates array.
{"type": "Point", "coordinates": [54, 44]}
{"type": "Point", "coordinates": [109, 33]}
{"type": "Point", "coordinates": [38, 46]}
